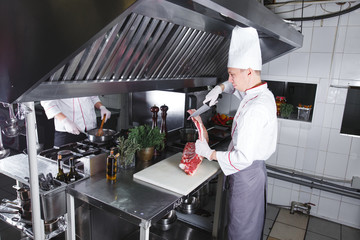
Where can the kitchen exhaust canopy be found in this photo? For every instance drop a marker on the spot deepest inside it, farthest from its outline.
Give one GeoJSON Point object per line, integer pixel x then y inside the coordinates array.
{"type": "Point", "coordinates": [61, 49]}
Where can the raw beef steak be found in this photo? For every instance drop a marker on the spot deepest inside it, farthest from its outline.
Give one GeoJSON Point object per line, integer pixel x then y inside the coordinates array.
{"type": "Point", "coordinates": [190, 161]}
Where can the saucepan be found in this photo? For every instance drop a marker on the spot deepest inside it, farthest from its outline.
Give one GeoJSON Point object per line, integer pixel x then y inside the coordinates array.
{"type": "Point", "coordinates": [106, 137]}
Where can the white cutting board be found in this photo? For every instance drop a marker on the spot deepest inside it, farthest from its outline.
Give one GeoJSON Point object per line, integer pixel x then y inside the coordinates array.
{"type": "Point", "coordinates": [168, 175]}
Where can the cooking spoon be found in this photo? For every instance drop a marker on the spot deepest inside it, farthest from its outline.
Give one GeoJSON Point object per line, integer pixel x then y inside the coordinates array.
{"type": "Point", "coordinates": [100, 131]}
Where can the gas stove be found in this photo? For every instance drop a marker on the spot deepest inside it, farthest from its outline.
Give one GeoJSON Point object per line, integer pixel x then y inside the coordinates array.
{"type": "Point", "coordinates": [83, 152]}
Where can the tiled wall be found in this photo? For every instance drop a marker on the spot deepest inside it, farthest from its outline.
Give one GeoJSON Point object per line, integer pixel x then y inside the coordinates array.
{"type": "Point", "coordinates": [330, 56]}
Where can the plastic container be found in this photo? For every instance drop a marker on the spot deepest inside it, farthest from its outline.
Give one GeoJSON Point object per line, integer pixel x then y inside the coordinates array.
{"type": "Point", "coordinates": [303, 113]}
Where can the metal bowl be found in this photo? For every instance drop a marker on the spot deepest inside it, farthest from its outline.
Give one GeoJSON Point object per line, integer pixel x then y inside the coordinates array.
{"type": "Point", "coordinates": [189, 205]}
{"type": "Point", "coordinates": [166, 222]}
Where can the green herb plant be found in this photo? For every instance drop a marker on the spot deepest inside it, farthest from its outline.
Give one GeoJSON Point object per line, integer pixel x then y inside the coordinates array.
{"type": "Point", "coordinates": [286, 109]}
{"type": "Point", "coordinates": [146, 137]}
{"type": "Point", "coordinates": [126, 150]}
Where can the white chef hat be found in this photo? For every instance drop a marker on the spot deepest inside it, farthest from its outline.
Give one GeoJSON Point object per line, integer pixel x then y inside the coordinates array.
{"type": "Point", "coordinates": [244, 51]}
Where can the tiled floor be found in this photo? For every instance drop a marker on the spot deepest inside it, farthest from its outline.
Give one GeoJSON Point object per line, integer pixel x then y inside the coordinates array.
{"type": "Point", "coordinates": [279, 225]}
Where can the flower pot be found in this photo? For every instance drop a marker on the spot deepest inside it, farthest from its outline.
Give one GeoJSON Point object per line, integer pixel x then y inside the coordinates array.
{"type": "Point", "coordinates": [145, 154]}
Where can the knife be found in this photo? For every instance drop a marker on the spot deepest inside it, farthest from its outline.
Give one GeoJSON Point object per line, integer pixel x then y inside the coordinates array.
{"type": "Point", "coordinates": [205, 107]}
{"type": "Point", "coordinates": [201, 110]}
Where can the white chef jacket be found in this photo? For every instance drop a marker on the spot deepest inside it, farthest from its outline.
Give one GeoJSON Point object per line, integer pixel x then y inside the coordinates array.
{"type": "Point", "coordinates": [254, 129]}
{"type": "Point", "coordinates": [79, 110]}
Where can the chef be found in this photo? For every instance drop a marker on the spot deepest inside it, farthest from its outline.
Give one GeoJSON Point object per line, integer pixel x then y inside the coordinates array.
{"type": "Point", "coordinates": [73, 117]}
{"type": "Point", "coordinates": [254, 137]}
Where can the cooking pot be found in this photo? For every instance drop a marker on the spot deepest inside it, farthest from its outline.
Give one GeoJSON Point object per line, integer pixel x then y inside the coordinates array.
{"type": "Point", "coordinates": [106, 137]}
{"type": "Point", "coordinates": [24, 211]}
{"type": "Point", "coordinates": [188, 135]}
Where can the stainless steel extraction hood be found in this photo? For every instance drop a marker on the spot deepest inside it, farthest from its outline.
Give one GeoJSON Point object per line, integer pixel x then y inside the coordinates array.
{"type": "Point", "coordinates": [60, 49]}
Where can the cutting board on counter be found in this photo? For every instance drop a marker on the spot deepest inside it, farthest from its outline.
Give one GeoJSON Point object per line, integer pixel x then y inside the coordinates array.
{"type": "Point", "coordinates": [167, 174]}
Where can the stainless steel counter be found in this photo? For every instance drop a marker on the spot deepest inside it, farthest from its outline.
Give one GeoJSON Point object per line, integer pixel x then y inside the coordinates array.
{"type": "Point", "coordinates": [136, 202]}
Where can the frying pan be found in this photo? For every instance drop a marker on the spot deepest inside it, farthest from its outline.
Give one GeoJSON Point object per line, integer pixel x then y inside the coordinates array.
{"type": "Point", "coordinates": [106, 137]}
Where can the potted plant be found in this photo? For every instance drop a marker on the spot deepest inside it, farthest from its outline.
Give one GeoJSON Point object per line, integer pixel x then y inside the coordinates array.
{"type": "Point", "coordinates": [286, 109]}
{"type": "Point", "coordinates": [126, 152]}
{"type": "Point", "coordinates": [148, 138]}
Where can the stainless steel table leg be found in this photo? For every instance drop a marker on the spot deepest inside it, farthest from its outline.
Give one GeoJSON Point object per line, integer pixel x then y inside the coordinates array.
{"type": "Point", "coordinates": [144, 230]}
{"type": "Point", "coordinates": [70, 217]}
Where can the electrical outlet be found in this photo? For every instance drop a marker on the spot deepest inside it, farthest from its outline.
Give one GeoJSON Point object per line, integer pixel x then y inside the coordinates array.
{"type": "Point", "coordinates": [355, 182]}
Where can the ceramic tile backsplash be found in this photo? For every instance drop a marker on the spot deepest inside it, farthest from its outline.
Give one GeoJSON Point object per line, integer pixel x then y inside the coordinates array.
{"type": "Point", "coordinates": [353, 167]}
{"type": "Point", "coordinates": [310, 159]}
{"type": "Point", "coordinates": [279, 66]}
{"type": "Point", "coordinates": [282, 195]}
{"type": "Point", "coordinates": [329, 111]}
{"type": "Point", "coordinates": [300, 154]}
{"type": "Point", "coordinates": [289, 135]}
{"type": "Point", "coordinates": [355, 147]}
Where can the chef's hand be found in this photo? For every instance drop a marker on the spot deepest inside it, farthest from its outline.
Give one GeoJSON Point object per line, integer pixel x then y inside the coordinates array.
{"type": "Point", "coordinates": [213, 95]}
{"type": "Point", "coordinates": [70, 126]}
{"type": "Point", "coordinates": [104, 111]}
{"type": "Point", "coordinates": [202, 148]}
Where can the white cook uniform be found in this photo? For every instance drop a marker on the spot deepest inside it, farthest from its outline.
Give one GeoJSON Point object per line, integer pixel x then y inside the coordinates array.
{"type": "Point", "coordinates": [78, 110]}
{"type": "Point", "coordinates": [254, 129]}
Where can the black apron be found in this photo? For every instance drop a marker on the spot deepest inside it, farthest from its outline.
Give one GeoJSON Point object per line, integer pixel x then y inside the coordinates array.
{"type": "Point", "coordinates": [247, 202]}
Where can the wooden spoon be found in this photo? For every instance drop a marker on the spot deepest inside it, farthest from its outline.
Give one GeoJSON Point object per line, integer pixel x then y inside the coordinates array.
{"type": "Point", "coordinates": [100, 131]}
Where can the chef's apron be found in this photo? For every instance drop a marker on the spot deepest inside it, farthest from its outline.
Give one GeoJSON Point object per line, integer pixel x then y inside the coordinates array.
{"type": "Point", "coordinates": [247, 202]}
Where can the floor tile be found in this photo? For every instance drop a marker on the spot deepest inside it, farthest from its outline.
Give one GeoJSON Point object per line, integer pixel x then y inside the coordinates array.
{"type": "Point", "coordinates": [272, 238]}
{"type": "Point", "coordinates": [316, 236]}
{"type": "Point", "coordinates": [349, 233]}
{"type": "Point", "coordinates": [268, 225]}
{"type": "Point", "coordinates": [298, 220]}
{"type": "Point", "coordinates": [324, 227]}
{"type": "Point", "coordinates": [272, 212]}
{"type": "Point", "coordinates": [283, 231]}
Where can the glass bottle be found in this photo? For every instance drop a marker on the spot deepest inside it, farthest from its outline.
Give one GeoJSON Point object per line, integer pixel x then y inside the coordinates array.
{"type": "Point", "coordinates": [60, 174]}
{"type": "Point", "coordinates": [72, 175]}
{"type": "Point", "coordinates": [111, 166]}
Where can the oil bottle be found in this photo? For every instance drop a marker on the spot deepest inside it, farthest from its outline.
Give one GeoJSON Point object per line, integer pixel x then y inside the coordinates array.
{"type": "Point", "coordinates": [111, 166]}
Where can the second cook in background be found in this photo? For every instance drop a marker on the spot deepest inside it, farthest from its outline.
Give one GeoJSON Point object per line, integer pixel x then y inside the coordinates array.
{"type": "Point", "coordinates": [254, 137]}
{"type": "Point", "coordinates": [73, 117]}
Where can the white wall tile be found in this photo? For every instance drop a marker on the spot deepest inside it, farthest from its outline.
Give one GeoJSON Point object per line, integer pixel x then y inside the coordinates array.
{"type": "Point", "coordinates": [321, 90]}
{"type": "Point", "coordinates": [337, 116]}
{"type": "Point", "coordinates": [320, 164]}
{"type": "Point", "coordinates": [300, 155]}
{"type": "Point", "coordinates": [319, 64]}
{"type": "Point", "coordinates": [286, 156]}
{"type": "Point", "coordinates": [350, 213]}
{"type": "Point", "coordinates": [283, 184]}
{"type": "Point", "coordinates": [314, 200]}
{"type": "Point", "coordinates": [323, 39]}
{"type": "Point", "coordinates": [304, 197]}
{"type": "Point", "coordinates": [282, 196]}
{"type": "Point", "coordinates": [289, 135]}
{"type": "Point", "coordinates": [353, 167]}
{"type": "Point", "coordinates": [314, 136]}
{"type": "Point", "coordinates": [339, 143]}
{"type": "Point", "coordinates": [354, 18]}
{"type": "Point", "coordinates": [336, 65]}
{"type": "Point", "coordinates": [318, 114]}
{"type": "Point", "coordinates": [350, 67]}
{"type": "Point", "coordinates": [329, 110]}
{"type": "Point", "coordinates": [324, 9]}
{"type": "Point", "coordinates": [294, 196]}
{"type": "Point", "coordinates": [341, 96]}
{"type": "Point", "coordinates": [328, 208]}
{"type": "Point", "coordinates": [272, 159]}
{"type": "Point", "coordinates": [303, 137]}
{"type": "Point", "coordinates": [340, 39]}
{"type": "Point", "coordinates": [352, 40]}
{"type": "Point", "coordinates": [310, 159]}
{"type": "Point", "coordinates": [331, 97]}
{"type": "Point", "coordinates": [298, 64]}
{"type": "Point", "coordinates": [335, 165]}
{"type": "Point", "coordinates": [324, 141]}
{"type": "Point", "coordinates": [355, 147]}
{"type": "Point", "coordinates": [279, 66]}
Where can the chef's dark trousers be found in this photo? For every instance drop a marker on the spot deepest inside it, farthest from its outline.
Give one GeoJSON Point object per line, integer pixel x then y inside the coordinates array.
{"type": "Point", "coordinates": [62, 138]}
{"type": "Point", "coordinates": [247, 202]}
